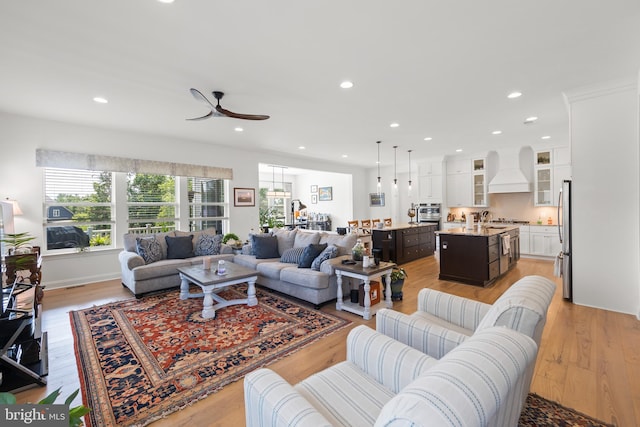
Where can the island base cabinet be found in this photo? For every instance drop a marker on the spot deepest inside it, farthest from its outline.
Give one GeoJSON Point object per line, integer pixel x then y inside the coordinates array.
{"type": "Point", "coordinates": [471, 260]}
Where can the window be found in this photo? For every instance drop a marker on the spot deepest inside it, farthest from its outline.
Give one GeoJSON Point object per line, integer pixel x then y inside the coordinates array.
{"type": "Point", "coordinates": [273, 210]}
{"type": "Point", "coordinates": [78, 208]}
{"type": "Point", "coordinates": [151, 202]}
{"type": "Point", "coordinates": [207, 204]}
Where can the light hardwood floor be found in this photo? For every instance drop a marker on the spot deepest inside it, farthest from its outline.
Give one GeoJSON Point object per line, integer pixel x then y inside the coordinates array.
{"type": "Point", "coordinates": [589, 359]}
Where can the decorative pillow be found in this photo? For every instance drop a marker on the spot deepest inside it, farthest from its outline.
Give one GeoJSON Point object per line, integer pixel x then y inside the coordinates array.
{"type": "Point", "coordinates": [292, 256]}
{"type": "Point", "coordinates": [179, 247]}
{"type": "Point", "coordinates": [208, 244]}
{"type": "Point", "coordinates": [253, 237]}
{"type": "Point", "coordinates": [265, 247]}
{"type": "Point", "coordinates": [310, 253]}
{"type": "Point", "coordinates": [286, 238]}
{"type": "Point", "coordinates": [330, 252]}
{"type": "Point", "coordinates": [149, 249]}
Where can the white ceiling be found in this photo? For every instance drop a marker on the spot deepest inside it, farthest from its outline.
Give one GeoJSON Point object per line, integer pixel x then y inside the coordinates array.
{"type": "Point", "coordinates": [438, 68]}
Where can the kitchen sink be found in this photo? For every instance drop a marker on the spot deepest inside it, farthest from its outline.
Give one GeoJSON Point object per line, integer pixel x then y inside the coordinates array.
{"type": "Point", "coordinates": [497, 227]}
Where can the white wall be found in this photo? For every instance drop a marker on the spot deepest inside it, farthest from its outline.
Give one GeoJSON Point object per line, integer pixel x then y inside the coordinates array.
{"type": "Point", "coordinates": [605, 190]}
{"type": "Point", "coordinates": [20, 179]}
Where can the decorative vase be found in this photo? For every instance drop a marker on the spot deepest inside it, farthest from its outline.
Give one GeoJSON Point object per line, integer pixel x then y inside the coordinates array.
{"type": "Point", "coordinates": [357, 251]}
{"type": "Point", "coordinates": [396, 290]}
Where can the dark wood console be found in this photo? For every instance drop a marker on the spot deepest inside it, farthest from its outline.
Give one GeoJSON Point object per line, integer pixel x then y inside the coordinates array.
{"type": "Point", "coordinates": [404, 243]}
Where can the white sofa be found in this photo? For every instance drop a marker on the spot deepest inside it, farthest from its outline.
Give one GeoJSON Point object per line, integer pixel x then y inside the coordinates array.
{"type": "Point", "coordinates": [142, 277]}
{"type": "Point", "coordinates": [306, 284]}
{"type": "Point", "coordinates": [384, 382]}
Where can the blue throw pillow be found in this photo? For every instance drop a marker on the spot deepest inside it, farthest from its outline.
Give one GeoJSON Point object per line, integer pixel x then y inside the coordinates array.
{"type": "Point", "coordinates": [180, 247]}
{"type": "Point", "coordinates": [149, 249]}
{"type": "Point", "coordinates": [292, 256]}
{"type": "Point", "coordinates": [330, 252]}
{"type": "Point", "coordinates": [265, 247]}
{"type": "Point", "coordinates": [208, 244]}
{"type": "Point", "coordinates": [310, 253]}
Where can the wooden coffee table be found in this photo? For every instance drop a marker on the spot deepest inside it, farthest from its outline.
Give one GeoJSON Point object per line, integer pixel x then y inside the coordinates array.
{"type": "Point", "coordinates": [210, 282]}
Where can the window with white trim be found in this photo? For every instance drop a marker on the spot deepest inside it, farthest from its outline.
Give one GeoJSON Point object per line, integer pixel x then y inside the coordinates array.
{"type": "Point", "coordinates": [208, 204]}
{"type": "Point", "coordinates": [151, 203]}
{"type": "Point", "coordinates": [78, 209]}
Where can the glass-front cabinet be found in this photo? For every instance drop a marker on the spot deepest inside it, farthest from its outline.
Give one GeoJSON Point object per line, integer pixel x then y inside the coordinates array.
{"type": "Point", "coordinates": [479, 182]}
{"type": "Point", "coordinates": [543, 178]}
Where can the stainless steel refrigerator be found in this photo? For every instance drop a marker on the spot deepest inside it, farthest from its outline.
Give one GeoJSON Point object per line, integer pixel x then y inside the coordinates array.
{"type": "Point", "coordinates": [564, 232]}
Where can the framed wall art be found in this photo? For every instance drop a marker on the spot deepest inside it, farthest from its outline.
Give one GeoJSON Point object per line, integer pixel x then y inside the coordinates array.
{"type": "Point", "coordinates": [314, 198]}
{"type": "Point", "coordinates": [314, 188]}
{"type": "Point", "coordinates": [376, 199]}
{"type": "Point", "coordinates": [325, 194]}
{"type": "Point", "coordinates": [244, 196]}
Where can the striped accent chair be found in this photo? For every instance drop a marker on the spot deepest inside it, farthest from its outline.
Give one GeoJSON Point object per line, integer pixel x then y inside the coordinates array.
{"type": "Point", "coordinates": [384, 382]}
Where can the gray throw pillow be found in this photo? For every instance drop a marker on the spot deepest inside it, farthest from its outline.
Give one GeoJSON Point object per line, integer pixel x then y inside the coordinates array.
{"type": "Point", "coordinates": [149, 249]}
{"type": "Point", "coordinates": [179, 247]}
{"type": "Point", "coordinates": [292, 256]}
{"type": "Point", "coordinates": [265, 247]}
{"type": "Point", "coordinates": [208, 244]}
{"type": "Point", "coordinates": [330, 252]}
{"type": "Point", "coordinates": [310, 253]}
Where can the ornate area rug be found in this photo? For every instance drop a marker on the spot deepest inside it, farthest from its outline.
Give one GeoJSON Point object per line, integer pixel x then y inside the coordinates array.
{"type": "Point", "coordinates": [540, 412]}
{"type": "Point", "coordinates": [140, 360]}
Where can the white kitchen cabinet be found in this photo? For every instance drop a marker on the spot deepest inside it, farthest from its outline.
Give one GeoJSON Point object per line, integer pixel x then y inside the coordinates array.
{"type": "Point", "coordinates": [479, 182]}
{"type": "Point", "coordinates": [524, 240]}
{"type": "Point", "coordinates": [544, 240]}
{"type": "Point", "coordinates": [430, 167]}
{"type": "Point", "coordinates": [458, 165]}
{"type": "Point", "coordinates": [551, 167]}
{"type": "Point", "coordinates": [459, 190]}
{"type": "Point", "coordinates": [543, 186]}
{"type": "Point", "coordinates": [430, 188]}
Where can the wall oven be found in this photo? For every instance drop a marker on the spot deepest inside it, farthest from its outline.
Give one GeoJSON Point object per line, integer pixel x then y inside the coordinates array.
{"type": "Point", "coordinates": [429, 212]}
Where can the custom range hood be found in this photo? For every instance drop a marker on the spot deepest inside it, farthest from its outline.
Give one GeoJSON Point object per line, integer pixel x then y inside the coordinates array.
{"type": "Point", "coordinates": [514, 171]}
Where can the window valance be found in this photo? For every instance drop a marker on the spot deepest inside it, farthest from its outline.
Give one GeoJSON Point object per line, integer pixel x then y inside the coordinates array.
{"type": "Point", "coordinates": [66, 160]}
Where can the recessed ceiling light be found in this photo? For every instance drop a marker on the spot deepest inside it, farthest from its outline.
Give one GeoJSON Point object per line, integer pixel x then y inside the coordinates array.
{"type": "Point", "coordinates": [394, 125]}
{"type": "Point", "coordinates": [530, 120]}
{"type": "Point", "coordinates": [238, 129]}
{"type": "Point", "coordinates": [344, 156]}
{"type": "Point", "coordinates": [101, 100]}
{"type": "Point", "coordinates": [496, 132]}
{"type": "Point", "coordinates": [514, 95]}
{"type": "Point", "coordinates": [346, 84]}
{"type": "Point", "coordinates": [546, 137]}
{"type": "Point", "coordinates": [166, 1]}
{"type": "Point", "coordinates": [459, 150]}
{"type": "Point", "coordinates": [428, 138]}
{"type": "Point", "coordinates": [302, 147]}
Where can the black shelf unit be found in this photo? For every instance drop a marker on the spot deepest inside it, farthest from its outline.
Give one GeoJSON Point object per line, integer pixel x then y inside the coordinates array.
{"type": "Point", "coordinates": [23, 346]}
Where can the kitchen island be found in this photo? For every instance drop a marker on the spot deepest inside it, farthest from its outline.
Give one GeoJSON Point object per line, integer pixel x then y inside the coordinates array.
{"type": "Point", "coordinates": [478, 257]}
{"type": "Point", "coordinates": [404, 242]}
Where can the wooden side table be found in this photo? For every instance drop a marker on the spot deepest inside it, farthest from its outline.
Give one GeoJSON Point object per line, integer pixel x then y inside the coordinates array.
{"type": "Point", "coordinates": [365, 274]}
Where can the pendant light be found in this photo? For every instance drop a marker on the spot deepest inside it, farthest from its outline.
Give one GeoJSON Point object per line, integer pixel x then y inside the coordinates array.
{"type": "Point", "coordinates": [395, 167]}
{"type": "Point", "coordinates": [379, 183]}
{"type": "Point", "coordinates": [272, 193]}
{"type": "Point", "coordinates": [409, 151]}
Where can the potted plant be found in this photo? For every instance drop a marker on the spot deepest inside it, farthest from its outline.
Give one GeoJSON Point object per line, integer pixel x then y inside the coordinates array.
{"type": "Point", "coordinates": [231, 239]}
{"type": "Point", "coordinates": [398, 274]}
{"type": "Point", "coordinates": [17, 243]}
{"type": "Point", "coordinates": [20, 255]}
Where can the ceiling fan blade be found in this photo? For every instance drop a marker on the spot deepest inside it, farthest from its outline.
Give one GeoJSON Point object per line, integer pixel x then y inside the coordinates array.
{"type": "Point", "coordinates": [200, 97]}
{"type": "Point", "coordinates": [206, 116]}
{"type": "Point", "coordinates": [240, 116]}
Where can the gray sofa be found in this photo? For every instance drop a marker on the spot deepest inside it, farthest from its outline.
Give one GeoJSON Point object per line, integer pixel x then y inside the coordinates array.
{"type": "Point", "coordinates": [314, 286]}
{"type": "Point", "coordinates": [142, 276]}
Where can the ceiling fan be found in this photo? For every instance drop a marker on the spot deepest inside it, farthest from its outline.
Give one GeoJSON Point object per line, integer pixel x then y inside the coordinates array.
{"type": "Point", "coordinates": [218, 111]}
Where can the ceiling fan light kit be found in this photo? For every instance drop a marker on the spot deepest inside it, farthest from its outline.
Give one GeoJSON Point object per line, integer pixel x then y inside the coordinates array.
{"type": "Point", "coordinates": [218, 111]}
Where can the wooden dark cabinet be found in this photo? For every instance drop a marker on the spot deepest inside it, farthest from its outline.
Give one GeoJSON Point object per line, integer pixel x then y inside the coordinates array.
{"type": "Point", "coordinates": [401, 245]}
{"type": "Point", "coordinates": [474, 260]}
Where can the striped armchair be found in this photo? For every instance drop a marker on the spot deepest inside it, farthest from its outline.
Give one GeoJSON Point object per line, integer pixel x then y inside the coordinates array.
{"type": "Point", "coordinates": [443, 321]}
{"type": "Point", "coordinates": [384, 382]}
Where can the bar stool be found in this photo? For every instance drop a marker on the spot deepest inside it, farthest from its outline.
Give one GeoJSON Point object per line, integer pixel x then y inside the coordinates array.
{"type": "Point", "coordinates": [374, 223]}
{"type": "Point", "coordinates": [353, 225]}
{"type": "Point", "coordinates": [387, 222]}
{"type": "Point", "coordinates": [366, 225]}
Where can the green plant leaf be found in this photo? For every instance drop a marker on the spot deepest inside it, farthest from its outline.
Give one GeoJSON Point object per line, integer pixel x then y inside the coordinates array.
{"type": "Point", "coordinates": [51, 398]}
{"type": "Point", "coordinates": [7, 399]}
{"type": "Point", "coordinates": [71, 397]}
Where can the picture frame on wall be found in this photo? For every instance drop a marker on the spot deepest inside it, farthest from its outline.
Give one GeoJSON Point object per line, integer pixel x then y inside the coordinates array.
{"type": "Point", "coordinates": [376, 199]}
{"type": "Point", "coordinates": [244, 196]}
{"type": "Point", "coordinates": [314, 188]}
{"type": "Point", "coordinates": [314, 198]}
{"type": "Point", "coordinates": [325, 194]}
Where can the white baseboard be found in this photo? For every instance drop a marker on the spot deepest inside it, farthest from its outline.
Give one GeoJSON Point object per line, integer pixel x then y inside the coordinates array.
{"type": "Point", "coordinates": [80, 281]}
